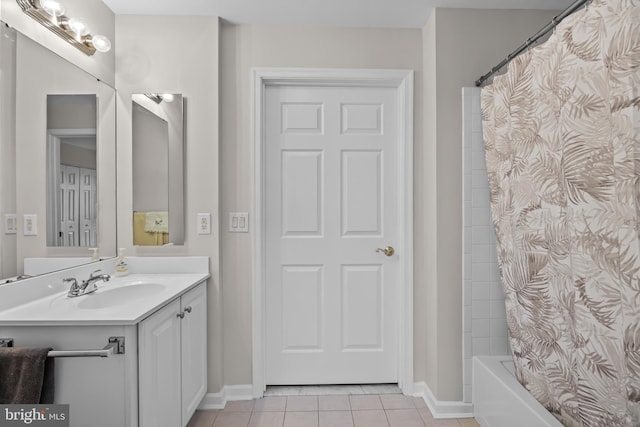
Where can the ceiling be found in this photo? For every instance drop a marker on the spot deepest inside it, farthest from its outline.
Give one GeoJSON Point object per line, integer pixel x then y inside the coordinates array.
{"type": "Point", "coordinates": [334, 13]}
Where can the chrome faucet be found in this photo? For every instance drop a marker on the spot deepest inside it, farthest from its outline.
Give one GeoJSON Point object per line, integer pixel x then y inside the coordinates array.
{"type": "Point", "coordinates": [87, 286]}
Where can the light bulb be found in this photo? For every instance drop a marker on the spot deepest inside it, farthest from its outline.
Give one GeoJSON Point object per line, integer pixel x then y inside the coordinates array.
{"type": "Point", "coordinates": [167, 97]}
{"type": "Point", "coordinates": [78, 26]}
{"type": "Point", "coordinates": [52, 7]}
{"type": "Point", "coordinates": [101, 43]}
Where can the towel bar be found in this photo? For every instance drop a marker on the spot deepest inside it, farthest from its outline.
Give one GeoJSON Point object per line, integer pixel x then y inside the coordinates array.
{"type": "Point", "coordinates": [115, 346]}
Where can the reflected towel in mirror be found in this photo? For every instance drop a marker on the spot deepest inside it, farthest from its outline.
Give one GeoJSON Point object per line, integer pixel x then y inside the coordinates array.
{"type": "Point", "coordinates": [141, 237]}
{"type": "Point", "coordinates": [157, 222]}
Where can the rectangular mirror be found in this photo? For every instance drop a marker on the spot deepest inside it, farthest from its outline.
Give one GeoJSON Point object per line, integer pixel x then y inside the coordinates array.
{"type": "Point", "coordinates": [71, 170]}
{"type": "Point", "coordinates": [44, 97]}
{"type": "Point", "coordinates": [157, 149]}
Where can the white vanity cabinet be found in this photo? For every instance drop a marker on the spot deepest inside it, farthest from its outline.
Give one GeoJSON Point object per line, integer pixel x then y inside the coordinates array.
{"type": "Point", "coordinates": [172, 365]}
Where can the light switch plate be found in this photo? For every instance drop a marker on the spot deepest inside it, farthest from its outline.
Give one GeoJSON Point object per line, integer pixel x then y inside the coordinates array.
{"type": "Point", "coordinates": [10, 224]}
{"type": "Point", "coordinates": [30, 225]}
{"type": "Point", "coordinates": [204, 223]}
{"type": "Point", "coordinates": [238, 222]}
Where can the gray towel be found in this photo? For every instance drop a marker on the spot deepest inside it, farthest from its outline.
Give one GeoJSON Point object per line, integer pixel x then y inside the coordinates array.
{"type": "Point", "coordinates": [26, 376]}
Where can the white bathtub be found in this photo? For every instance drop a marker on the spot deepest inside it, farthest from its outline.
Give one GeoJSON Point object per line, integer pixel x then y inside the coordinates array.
{"type": "Point", "coordinates": [500, 401]}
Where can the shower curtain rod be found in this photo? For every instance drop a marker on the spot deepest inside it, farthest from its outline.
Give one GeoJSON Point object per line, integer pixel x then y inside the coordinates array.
{"type": "Point", "coordinates": [550, 26]}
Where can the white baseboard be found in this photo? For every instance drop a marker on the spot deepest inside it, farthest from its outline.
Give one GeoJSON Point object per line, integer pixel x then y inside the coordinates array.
{"type": "Point", "coordinates": [228, 393]}
{"type": "Point", "coordinates": [439, 408]}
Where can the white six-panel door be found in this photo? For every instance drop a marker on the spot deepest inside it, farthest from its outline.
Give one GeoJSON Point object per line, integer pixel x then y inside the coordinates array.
{"type": "Point", "coordinates": [69, 202]}
{"type": "Point", "coordinates": [87, 205]}
{"type": "Point", "coordinates": [331, 300]}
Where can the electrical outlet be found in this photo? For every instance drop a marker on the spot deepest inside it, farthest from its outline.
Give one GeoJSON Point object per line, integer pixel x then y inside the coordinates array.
{"type": "Point", "coordinates": [30, 225]}
{"type": "Point", "coordinates": [238, 222]}
{"type": "Point", "coordinates": [10, 224]}
{"type": "Point", "coordinates": [204, 223]}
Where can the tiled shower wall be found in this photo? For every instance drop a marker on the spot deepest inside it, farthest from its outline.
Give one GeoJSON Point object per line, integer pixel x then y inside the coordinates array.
{"type": "Point", "coordinates": [484, 318]}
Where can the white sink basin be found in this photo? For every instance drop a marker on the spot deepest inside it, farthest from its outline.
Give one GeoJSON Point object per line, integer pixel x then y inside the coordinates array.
{"type": "Point", "coordinates": [120, 301]}
{"type": "Point", "coordinates": [106, 297]}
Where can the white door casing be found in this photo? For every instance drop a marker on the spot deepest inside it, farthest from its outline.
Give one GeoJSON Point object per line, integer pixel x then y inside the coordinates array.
{"type": "Point", "coordinates": [392, 276]}
{"type": "Point", "coordinates": [72, 194]}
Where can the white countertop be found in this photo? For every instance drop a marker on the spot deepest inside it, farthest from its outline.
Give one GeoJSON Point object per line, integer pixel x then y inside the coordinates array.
{"type": "Point", "coordinates": [57, 309]}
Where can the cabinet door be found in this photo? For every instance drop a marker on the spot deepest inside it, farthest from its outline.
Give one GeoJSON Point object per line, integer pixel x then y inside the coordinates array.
{"type": "Point", "coordinates": [159, 368]}
{"type": "Point", "coordinates": [194, 350]}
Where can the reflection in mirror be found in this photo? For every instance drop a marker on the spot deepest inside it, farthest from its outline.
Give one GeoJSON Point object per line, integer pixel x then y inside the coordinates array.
{"type": "Point", "coordinates": [71, 170]}
{"type": "Point", "coordinates": [8, 208]}
{"type": "Point", "coordinates": [158, 211]}
{"type": "Point", "coordinates": [28, 74]}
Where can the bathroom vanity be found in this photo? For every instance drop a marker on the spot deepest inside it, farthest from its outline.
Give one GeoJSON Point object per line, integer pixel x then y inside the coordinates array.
{"type": "Point", "coordinates": [158, 320]}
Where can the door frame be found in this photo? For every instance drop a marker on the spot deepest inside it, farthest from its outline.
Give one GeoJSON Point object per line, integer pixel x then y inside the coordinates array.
{"type": "Point", "coordinates": [54, 137]}
{"type": "Point", "coordinates": [402, 81]}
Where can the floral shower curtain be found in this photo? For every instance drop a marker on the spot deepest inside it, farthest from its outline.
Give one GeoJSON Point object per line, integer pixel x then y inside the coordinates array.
{"type": "Point", "coordinates": [562, 132]}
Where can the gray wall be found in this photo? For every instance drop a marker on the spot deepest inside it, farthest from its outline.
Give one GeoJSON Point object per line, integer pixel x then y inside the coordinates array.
{"type": "Point", "coordinates": [244, 47]}
{"type": "Point", "coordinates": [460, 45]}
{"type": "Point", "coordinates": [172, 54]}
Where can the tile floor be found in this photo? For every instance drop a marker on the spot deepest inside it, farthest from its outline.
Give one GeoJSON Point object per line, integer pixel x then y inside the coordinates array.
{"type": "Point", "coordinates": [351, 406]}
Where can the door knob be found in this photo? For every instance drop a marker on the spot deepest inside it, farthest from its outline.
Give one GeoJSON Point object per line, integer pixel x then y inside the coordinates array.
{"type": "Point", "coordinates": [388, 251]}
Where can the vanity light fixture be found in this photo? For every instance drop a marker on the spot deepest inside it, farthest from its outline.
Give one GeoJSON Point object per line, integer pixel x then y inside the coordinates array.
{"type": "Point", "coordinates": [159, 97]}
{"type": "Point", "coordinates": [53, 8]}
{"type": "Point", "coordinates": [50, 13]}
{"type": "Point", "coordinates": [154, 97]}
